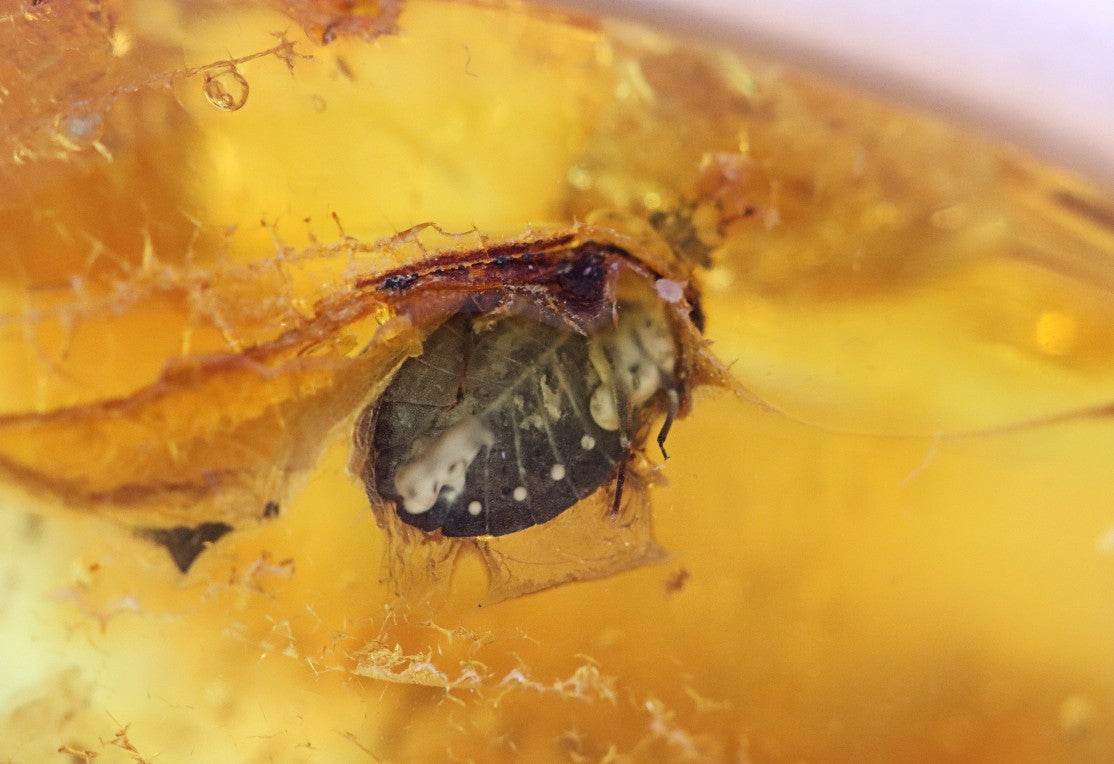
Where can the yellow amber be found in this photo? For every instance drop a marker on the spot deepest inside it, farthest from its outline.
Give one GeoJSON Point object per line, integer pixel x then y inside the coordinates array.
{"type": "Point", "coordinates": [900, 547]}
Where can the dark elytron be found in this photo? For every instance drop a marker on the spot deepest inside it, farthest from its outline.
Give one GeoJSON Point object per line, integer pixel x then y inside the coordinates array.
{"type": "Point", "coordinates": [491, 429]}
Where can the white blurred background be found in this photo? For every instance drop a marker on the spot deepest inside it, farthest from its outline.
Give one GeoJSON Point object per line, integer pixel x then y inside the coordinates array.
{"type": "Point", "coordinates": [1039, 74]}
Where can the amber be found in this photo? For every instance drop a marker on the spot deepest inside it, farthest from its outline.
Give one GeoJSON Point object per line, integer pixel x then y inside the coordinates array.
{"type": "Point", "coordinates": [895, 544]}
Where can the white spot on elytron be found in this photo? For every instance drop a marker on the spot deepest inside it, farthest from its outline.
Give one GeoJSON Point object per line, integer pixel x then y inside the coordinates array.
{"type": "Point", "coordinates": [442, 466]}
{"type": "Point", "coordinates": [557, 472]}
{"type": "Point", "coordinates": [587, 442]}
{"type": "Point", "coordinates": [474, 508]}
{"type": "Point", "coordinates": [519, 494]}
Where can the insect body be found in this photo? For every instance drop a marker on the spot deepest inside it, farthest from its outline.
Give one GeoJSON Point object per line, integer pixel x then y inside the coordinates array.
{"type": "Point", "coordinates": [495, 389]}
{"type": "Point", "coordinates": [500, 426]}
{"type": "Point", "coordinates": [528, 397]}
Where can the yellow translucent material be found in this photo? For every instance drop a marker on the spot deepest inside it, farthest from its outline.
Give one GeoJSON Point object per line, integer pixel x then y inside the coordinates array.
{"type": "Point", "coordinates": [898, 547]}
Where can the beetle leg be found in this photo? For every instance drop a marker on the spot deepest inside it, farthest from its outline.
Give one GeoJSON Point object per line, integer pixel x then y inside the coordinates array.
{"type": "Point", "coordinates": [670, 414]}
{"type": "Point", "coordinates": [623, 408]}
{"type": "Point", "coordinates": [620, 480]}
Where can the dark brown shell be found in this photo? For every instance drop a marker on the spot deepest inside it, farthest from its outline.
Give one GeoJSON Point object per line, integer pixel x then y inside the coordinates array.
{"type": "Point", "coordinates": [542, 458]}
{"type": "Point", "coordinates": [514, 355]}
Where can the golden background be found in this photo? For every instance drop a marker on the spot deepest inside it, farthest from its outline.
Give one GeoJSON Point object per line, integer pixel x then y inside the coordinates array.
{"type": "Point", "coordinates": [910, 559]}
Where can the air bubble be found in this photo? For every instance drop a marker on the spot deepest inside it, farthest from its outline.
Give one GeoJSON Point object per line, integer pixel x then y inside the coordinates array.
{"type": "Point", "coordinates": [580, 178]}
{"type": "Point", "coordinates": [1077, 716]}
{"type": "Point", "coordinates": [226, 89]}
{"type": "Point", "coordinates": [80, 130]}
{"type": "Point", "coordinates": [1055, 333]}
{"type": "Point", "coordinates": [668, 290]}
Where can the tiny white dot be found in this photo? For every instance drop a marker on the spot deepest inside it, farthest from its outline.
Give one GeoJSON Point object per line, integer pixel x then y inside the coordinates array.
{"type": "Point", "coordinates": [519, 494]}
{"type": "Point", "coordinates": [475, 508]}
{"type": "Point", "coordinates": [587, 442]}
{"type": "Point", "coordinates": [557, 472]}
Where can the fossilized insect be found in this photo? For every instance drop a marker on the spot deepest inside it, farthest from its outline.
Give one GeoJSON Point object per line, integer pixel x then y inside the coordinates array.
{"type": "Point", "coordinates": [495, 389]}
{"type": "Point", "coordinates": [519, 427]}
{"type": "Point", "coordinates": [532, 394]}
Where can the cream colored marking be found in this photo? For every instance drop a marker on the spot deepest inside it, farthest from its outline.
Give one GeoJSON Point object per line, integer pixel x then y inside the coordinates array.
{"type": "Point", "coordinates": [443, 465]}
{"type": "Point", "coordinates": [641, 351]}
{"type": "Point", "coordinates": [533, 420]}
{"type": "Point", "coordinates": [551, 400]}
{"type": "Point", "coordinates": [475, 508]}
{"type": "Point", "coordinates": [602, 406]}
{"type": "Point", "coordinates": [520, 494]}
{"type": "Point", "coordinates": [587, 442]}
{"type": "Point", "coordinates": [557, 472]}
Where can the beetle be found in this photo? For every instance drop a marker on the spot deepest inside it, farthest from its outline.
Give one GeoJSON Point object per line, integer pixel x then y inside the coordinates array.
{"type": "Point", "coordinates": [603, 322]}
{"type": "Point", "coordinates": [546, 365]}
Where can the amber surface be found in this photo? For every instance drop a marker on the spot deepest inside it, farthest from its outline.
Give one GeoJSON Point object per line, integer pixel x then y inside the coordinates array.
{"type": "Point", "coordinates": [899, 547]}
